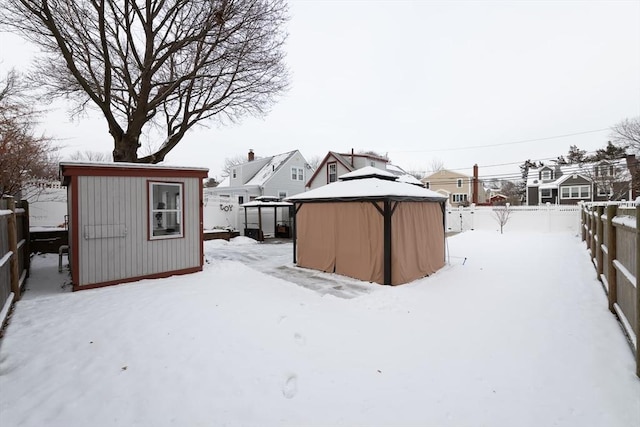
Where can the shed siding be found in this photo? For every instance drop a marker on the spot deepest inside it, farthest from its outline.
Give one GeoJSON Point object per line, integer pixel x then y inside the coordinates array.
{"type": "Point", "coordinates": [123, 201]}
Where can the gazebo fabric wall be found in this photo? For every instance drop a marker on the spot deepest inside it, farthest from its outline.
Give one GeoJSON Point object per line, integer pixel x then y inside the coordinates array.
{"type": "Point", "coordinates": [417, 235]}
{"type": "Point", "coordinates": [341, 237]}
{"type": "Point", "coordinates": [348, 238]}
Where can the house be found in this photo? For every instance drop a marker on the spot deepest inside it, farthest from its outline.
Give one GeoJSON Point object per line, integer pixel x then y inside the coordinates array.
{"type": "Point", "coordinates": [279, 176]}
{"type": "Point", "coordinates": [336, 164]}
{"type": "Point", "coordinates": [370, 226]}
{"type": "Point", "coordinates": [585, 182]}
{"type": "Point", "coordinates": [457, 187]}
{"type": "Point", "coordinates": [130, 221]}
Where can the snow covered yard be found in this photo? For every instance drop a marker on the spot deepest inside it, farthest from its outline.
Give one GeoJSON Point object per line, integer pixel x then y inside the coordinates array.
{"type": "Point", "coordinates": [516, 335]}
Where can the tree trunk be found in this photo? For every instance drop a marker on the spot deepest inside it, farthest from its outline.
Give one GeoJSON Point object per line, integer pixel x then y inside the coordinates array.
{"type": "Point", "coordinates": [126, 149]}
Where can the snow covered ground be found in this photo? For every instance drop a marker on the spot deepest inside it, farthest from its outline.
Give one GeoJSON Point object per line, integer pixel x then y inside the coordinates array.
{"type": "Point", "coordinates": [514, 332]}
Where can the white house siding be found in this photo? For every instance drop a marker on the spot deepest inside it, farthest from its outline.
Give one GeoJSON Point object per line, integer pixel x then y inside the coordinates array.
{"type": "Point", "coordinates": [122, 203]}
{"type": "Point", "coordinates": [282, 181]}
{"type": "Point", "coordinates": [322, 177]}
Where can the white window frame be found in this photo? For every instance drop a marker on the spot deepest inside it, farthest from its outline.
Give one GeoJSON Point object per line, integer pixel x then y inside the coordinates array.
{"type": "Point", "coordinates": [333, 166]}
{"type": "Point", "coordinates": [158, 212]}
{"type": "Point", "coordinates": [234, 173]}
{"type": "Point", "coordinates": [602, 191]}
{"type": "Point", "coordinates": [297, 174]}
{"type": "Point", "coordinates": [546, 175]}
{"type": "Point", "coordinates": [459, 183]}
{"type": "Point", "coordinates": [459, 197]}
{"type": "Point", "coordinates": [575, 192]}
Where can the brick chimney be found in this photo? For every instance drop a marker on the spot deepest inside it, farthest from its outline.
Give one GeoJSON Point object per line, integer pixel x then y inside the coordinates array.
{"type": "Point", "coordinates": [251, 156]}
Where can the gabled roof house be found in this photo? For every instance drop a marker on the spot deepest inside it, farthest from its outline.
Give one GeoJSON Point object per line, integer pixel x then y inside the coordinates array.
{"type": "Point", "coordinates": [585, 182]}
{"type": "Point", "coordinates": [279, 176]}
{"type": "Point", "coordinates": [457, 187]}
{"type": "Point", "coordinates": [336, 164]}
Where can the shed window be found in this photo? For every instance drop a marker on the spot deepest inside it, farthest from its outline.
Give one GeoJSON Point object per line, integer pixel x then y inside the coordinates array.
{"type": "Point", "coordinates": [165, 210]}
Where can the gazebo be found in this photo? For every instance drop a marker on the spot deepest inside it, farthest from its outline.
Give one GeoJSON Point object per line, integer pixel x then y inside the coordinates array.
{"type": "Point", "coordinates": [281, 228]}
{"type": "Point", "coordinates": [371, 227]}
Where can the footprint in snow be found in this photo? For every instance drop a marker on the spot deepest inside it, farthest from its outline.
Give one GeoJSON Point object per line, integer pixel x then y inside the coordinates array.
{"type": "Point", "coordinates": [299, 339]}
{"type": "Point", "coordinates": [290, 388]}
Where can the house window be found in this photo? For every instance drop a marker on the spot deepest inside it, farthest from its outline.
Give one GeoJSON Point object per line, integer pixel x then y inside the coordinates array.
{"type": "Point", "coordinates": [546, 175]}
{"type": "Point", "coordinates": [427, 184]}
{"type": "Point", "coordinates": [297, 174]}
{"type": "Point", "coordinates": [605, 171]}
{"type": "Point", "coordinates": [332, 169]}
{"type": "Point", "coordinates": [459, 183]}
{"type": "Point", "coordinates": [233, 173]}
{"type": "Point", "coordinates": [603, 190]}
{"type": "Point", "coordinates": [459, 198]}
{"type": "Point", "coordinates": [282, 194]}
{"type": "Point", "coordinates": [240, 200]}
{"type": "Point", "coordinates": [165, 210]}
{"type": "Point", "coordinates": [575, 192]}
{"type": "Point", "coordinates": [373, 164]}
{"type": "Point", "coordinates": [545, 192]}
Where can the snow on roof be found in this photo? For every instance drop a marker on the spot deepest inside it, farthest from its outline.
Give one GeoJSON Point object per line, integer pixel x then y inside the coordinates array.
{"type": "Point", "coordinates": [226, 182]}
{"type": "Point", "coordinates": [409, 179]}
{"type": "Point", "coordinates": [368, 188]}
{"type": "Point", "coordinates": [125, 165]}
{"type": "Point", "coordinates": [367, 172]}
{"type": "Point", "coordinates": [269, 168]}
{"type": "Point", "coordinates": [265, 203]}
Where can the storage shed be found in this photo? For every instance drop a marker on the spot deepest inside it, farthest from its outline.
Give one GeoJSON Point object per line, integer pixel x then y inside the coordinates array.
{"type": "Point", "coordinates": [130, 221]}
{"type": "Point", "coordinates": [370, 227]}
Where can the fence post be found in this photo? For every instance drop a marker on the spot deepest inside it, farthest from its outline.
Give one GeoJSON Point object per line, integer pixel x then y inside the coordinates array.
{"type": "Point", "coordinates": [27, 240]}
{"type": "Point", "coordinates": [13, 247]}
{"type": "Point", "coordinates": [611, 250]}
{"type": "Point", "coordinates": [599, 237]}
{"type": "Point", "coordinates": [582, 222]}
{"type": "Point", "coordinates": [637, 289]}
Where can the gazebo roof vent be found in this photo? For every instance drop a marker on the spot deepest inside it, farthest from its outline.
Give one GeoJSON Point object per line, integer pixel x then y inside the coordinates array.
{"type": "Point", "coordinates": [368, 172]}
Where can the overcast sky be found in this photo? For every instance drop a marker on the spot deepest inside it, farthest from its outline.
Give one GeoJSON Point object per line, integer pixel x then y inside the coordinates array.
{"type": "Point", "coordinates": [461, 82]}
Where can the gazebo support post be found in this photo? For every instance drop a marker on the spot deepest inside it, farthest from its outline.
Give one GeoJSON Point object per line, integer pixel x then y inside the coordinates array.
{"type": "Point", "coordinates": [245, 221]}
{"type": "Point", "coordinates": [260, 233]}
{"type": "Point", "coordinates": [387, 241]}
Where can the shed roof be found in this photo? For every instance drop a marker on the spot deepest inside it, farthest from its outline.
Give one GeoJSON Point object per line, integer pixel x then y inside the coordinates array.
{"type": "Point", "coordinates": [68, 169]}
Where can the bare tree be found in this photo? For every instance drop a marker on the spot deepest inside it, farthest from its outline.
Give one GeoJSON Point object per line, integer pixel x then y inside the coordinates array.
{"type": "Point", "coordinates": [90, 156]}
{"type": "Point", "coordinates": [626, 134]}
{"type": "Point", "coordinates": [314, 161]}
{"type": "Point", "coordinates": [160, 65]}
{"type": "Point", "coordinates": [436, 165]}
{"type": "Point", "coordinates": [26, 157]}
{"type": "Point", "coordinates": [502, 214]}
{"type": "Point", "coordinates": [231, 162]}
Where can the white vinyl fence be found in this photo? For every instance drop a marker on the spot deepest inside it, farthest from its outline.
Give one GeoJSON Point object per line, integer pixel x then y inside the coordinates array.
{"type": "Point", "coordinates": [222, 212]}
{"type": "Point", "coordinates": [545, 218]}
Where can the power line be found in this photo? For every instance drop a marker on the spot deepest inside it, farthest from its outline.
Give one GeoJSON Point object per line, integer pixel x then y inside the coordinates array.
{"type": "Point", "coordinates": [501, 144]}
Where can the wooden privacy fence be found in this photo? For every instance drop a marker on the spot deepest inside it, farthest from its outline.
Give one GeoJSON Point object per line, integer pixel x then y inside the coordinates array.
{"type": "Point", "coordinates": [612, 235]}
{"type": "Point", "coordinates": [14, 252]}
